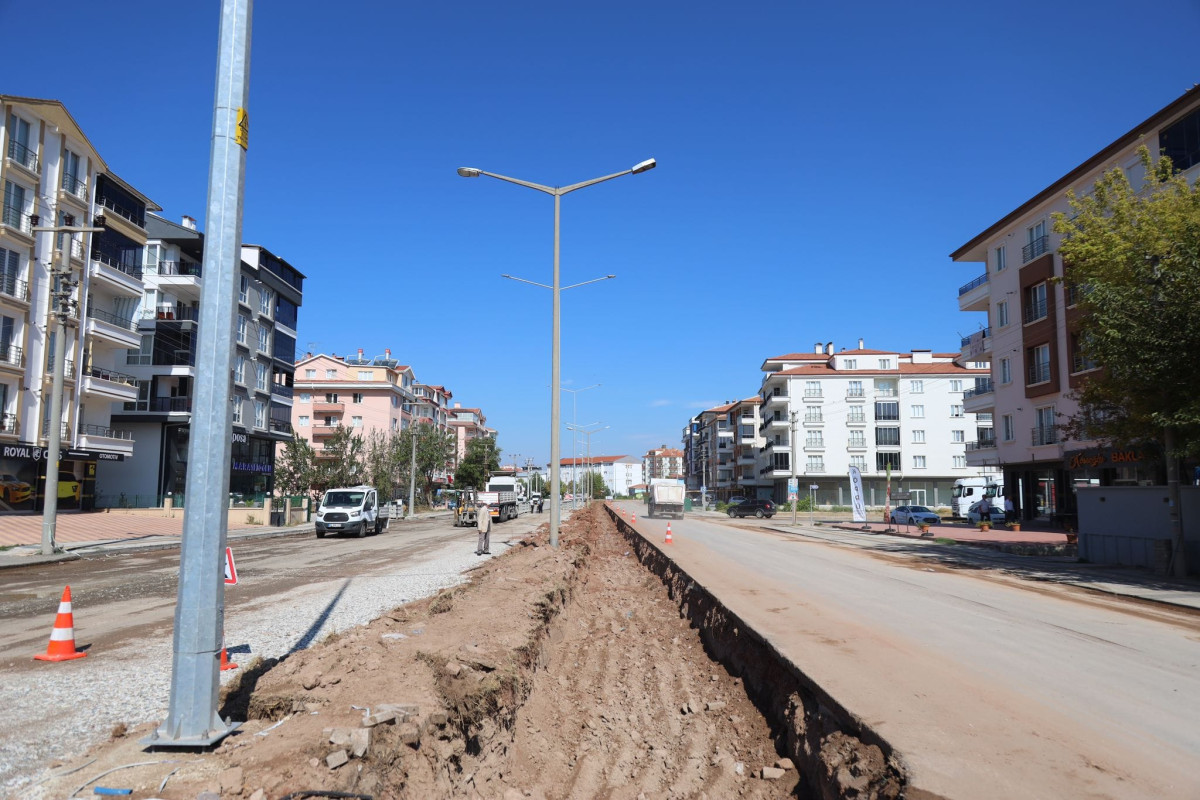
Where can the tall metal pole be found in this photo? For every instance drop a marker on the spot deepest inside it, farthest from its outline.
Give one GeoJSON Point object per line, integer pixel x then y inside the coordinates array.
{"type": "Point", "coordinates": [795, 415]}
{"type": "Point", "coordinates": [192, 718]}
{"type": "Point", "coordinates": [60, 296]}
{"type": "Point", "coordinates": [412, 474]}
{"type": "Point", "coordinates": [555, 400]}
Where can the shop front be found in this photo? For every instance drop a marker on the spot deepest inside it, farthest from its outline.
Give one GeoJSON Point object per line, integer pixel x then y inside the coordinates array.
{"type": "Point", "coordinates": [23, 478]}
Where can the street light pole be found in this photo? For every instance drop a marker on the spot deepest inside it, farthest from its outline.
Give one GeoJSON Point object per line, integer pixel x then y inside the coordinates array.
{"type": "Point", "coordinates": [574, 441]}
{"type": "Point", "coordinates": [60, 307]}
{"type": "Point", "coordinates": [556, 288]}
{"type": "Point", "coordinates": [588, 433]}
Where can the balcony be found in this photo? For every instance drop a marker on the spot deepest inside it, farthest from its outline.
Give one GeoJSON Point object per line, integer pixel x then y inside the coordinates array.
{"type": "Point", "coordinates": [1044, 435]}
{"type": "Point", "coordinates": [24, 156]}
{"type": "Point", "coordinates": [1032, 312]}
{"type": "Point", "coordinates": [109, 384]}
{"type": "Point", "coordinates": [814, 444]}
{"type": "Point", "coordinates": [8, 425]}
{"type": "Point", "coordinates": [982, 386]}
{"type": "Point", "coordinates": [856, 394]}
{"type": "Point", "coordinates": [328, 407]}
{"type": "Point", "coordinates": [74, 188]}
{"type": "Point", "coordinates": [886, 391]}
{"type": "Point", "coordinates": [814, 419]}
{"type": "Point", "coordinates": [18, 223]}
{"type": "Point", "coordinates": [181, 278]}
{"type": "Point", "coordinates": [14, 290]}
{"type": "Point", "coordinates": [973, 296]}
{"type": "Point", "coordinates": [321, 431]}
{"type": "Point", "coordinates": [1080, 363]}
{"type": "Point", "coordinates": [161, 405]}
{"type": "Point", "coordinates": [102, 437]}
{"type": "Point", "coordinates": [282, 390]}
{"type": "Point", "coordinates": [813, 394]}
{"type": "Point", "coordinates": [133, 219]}
{"type": "Point", "coordinates": [817, 468]}
{"type": "Point", "coordinates": [12, 357]}
{"type": "Point", "coordinates": [125, 278]}
{"type": "Point", "coordinates": [778, 399]}
{"type": "Point", "coordinates": [855, 445]}
{"type": "Point", "coordinates": [64, 431]}
{"type": "Point", "coordinates": [780, 424]}
{"type": "Point", "coordinates": [112, 328]}
{"type": "Point", "coordinates": [1034, 249]}
{"type": "Point", "coordinates": [976, 345]}
{"type": "Point", "coordinates": [856, 419]}
{"type": "Point", "coordinates": [68, 369]}
{"type": "Point", "coordinates": [1038, 373]}
{"type": "Point", "coordinates": [279, 426]}
{"type": "Point", "coordinates": [982, 444]}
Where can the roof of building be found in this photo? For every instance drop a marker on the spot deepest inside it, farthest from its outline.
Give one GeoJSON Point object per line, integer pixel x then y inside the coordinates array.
{"type": "Point", "coordinates": [567, 462]}
{"type": "Point", "coordinates": [937, 368]}
{"type": "Point", "coordinates": [664, 452]}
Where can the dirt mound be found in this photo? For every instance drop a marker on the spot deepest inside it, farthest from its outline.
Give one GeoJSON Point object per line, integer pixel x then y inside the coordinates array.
{"type": "Point", "coordinates": [552, 673]}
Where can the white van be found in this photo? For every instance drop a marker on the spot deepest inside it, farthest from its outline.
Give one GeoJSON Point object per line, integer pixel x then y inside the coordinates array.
{"type": "Point", "coordinates": [354, 509]}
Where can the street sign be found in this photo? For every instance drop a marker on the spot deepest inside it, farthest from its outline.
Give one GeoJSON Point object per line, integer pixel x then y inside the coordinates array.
{"type": "Point", "coordinates": [813, 486]}
{"type": "Point", "coordinates": [230, 569]}
{"type": "Point", "coordinates": [793, 488]}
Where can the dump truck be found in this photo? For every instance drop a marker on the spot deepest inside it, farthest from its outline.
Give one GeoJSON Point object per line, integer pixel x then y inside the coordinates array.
{"type": "Point", "coordinates": [665, 498]}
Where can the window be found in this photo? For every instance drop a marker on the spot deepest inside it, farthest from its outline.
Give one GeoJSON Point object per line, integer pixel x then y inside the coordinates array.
{"type": "Point", "coordinates": [305, 397]}
{"type": "Point", "coordinates": [956, 411]}
{"type": "Point", "coordinates": [357, 397]}
{"type": "Point", "coordinates": [1079, 361]}
{"type": "Point", "coordinates": [885, 363]}
{"type": "Point", "coordinates": [266, 301]}
{"type": "Point", "coordinates": [239, 369]}
{"type": "Point", "coordinates": [10, 272]}
{"type": "Point", "coordinates": [887, 437]}
{"type": "Point", "coordinates": [1001, 313]}
{"type": "Point", "coordinates": [815, 464]}
{"type": "Point", "coordinates": [813, 415]}
{"type": "Point", "coordinates": [1009, 430]}
{"type": "Point", "coordinates": [244, 290]}
{"type": "Point", "coordinates": [858, 461]}
{"type": "Point", "coordinates": [331, 397]}
{"type": "Point", "coordinates": [857, 439]}
{"type": "Point", "coordinates": [918, 462]}
{"type": "Point", "coordinates": [856, 414]}
{"type": "Point", "coordinates": [356, 422]}
{"type": "Point", "coordinates": [303, 421]}
{"type": "Point", "coordinates": [885, 388]}
{"type": "Point", "coordinates": [241, 332]}
{"type": "Point", "coordinates": [1039, 363]}
{"type": "Point", "coordinates": [310, 373]}
{"type": "Point", "coordinates": [1035, 303]}
{"type": "Point", "coordinates": [260, 414]}
{"type": "Point", "coordinates": [887, 409]}
{"type": "Point", "coordinates": [956, 385]}
{"type": "Point", "coordinates": [1000, 258]}
{"type": "Point", "coordinates": [237, 410]}
{"type": "Point", "coordinates": [260, 377]}
{"type": "Point", "coordinates": [330, 374]}
{"type": "Point", "coordinates": [1044, 432]}
{"type": "Point", "coordinates": [918, 412]}
{"type": "Point", "coordinates": [1035, 236]}
{"type": "Point", "coordinates": [855, 389]}
{"type": "Point", "coordinates": [365, 375]}
{"type": "Point", "coordinates": [918, 437]}
{"type": "Point", "coordinates": [264, 339]}
{"type": "Point", "coordinates": [851, 363]}
{"type": "Point", "coordinates": [812, 388]}
{"type": "Point", "coordinates": [1180, 141]}
{"type": "Point", "coordinates": [885, 460]}
{"type": "Point", "coordinates": [960, 462]}
{"type": "Point", "coordinates": [916, 387]}
{"type": "Point", "coordinates": [958, 436]}
{"type": "Point", "coordinates": [814, 439]}
{"type": "Point", "coordinates": [1005, 371]}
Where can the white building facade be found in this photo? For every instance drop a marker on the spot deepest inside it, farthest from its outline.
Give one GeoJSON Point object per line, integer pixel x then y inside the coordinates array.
{"type": "Point", "coordinates": [619, 472]}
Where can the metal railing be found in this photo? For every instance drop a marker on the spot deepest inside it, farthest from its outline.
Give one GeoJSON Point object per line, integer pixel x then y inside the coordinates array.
{"type": "Point", "coordinates": [64, 432]}
{"type": "Point", "coordinates": [184, 313]}
{"type": "Point", "coordinates": [1044, 435]}
{"type": "Point", "coordinates": [983, 334]}
{"type": "Point", "coordinates": [14, 218]}
{"type": "Point", "coordinates": [110, 261]}
{"type": "Point", "coordinates": [1038, 373]}
{"type": "Point", "coordinates": [113, 376]}
{"type": "Point", "coordinates": [8, 423]}
{"type": "Point", "coordinates": [813, 393]}
{"type": "Point", "coordinates": [857, 444]}
{"type": "Point", "coordinates": [105, 431]}
{"type": "Point", "coordinates": [814, 418]}
{"type": "Point", "coordinates": [982, 386]}
{"type": "Point", "coordinates": [68, 367]}
{"type": "Point", "coordinates": [74, 186]}
{"type": "Point", "coordinates": [886, 391]}
{"type": "Point", "coordinates": [185, 268]}
{"type": "Point", "coordinates": [111, 319]}
{"type": "Point", "coordinates": [23, 155]}
{"type": "Point", "coordinates": [1081, 363]}
{"type": "Point", "coordinates": [282, 390]}
{"type": "Point", "coordinates": [18, 290]}
{"type": "Point", "coordinates": [982, 444]}
{"type": "Point", "coordinates": [161, 405]}
{"type": "Point", "coordinates": [132, 215]}
{"type": "Point", "coordinates": [966, 287]}
{"type": "Point", "coordinates": [856, 418]}
{"type": "Point", "coordinates": [279, 426]}
{"type": "Point", "coordinates": [814, 443]}
{"type": "Point", "coordinates": [1035, 311]}
{"type": "Point", "coordinates": [1034, 249]}
{"type": "Point", "coordinates": [856, 391]}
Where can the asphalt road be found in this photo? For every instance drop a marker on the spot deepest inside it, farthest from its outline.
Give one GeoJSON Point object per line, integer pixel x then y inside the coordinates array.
{"type": "Point", "coordinates": [988, 685]}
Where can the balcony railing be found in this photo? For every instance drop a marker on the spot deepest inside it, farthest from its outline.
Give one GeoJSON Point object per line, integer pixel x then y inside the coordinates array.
{"type": "Point", "coordinates": [8, 423]}
{"type": "Point", "coordinates": [130, 214]}
{"type": "Point", "coordinates": [1034, 249]}
{"type": "Point", "coordinates": [812, 393]}
{"type": "Point", "coordinates": [25, 156]}
{"type": "Point", "coordinates": [814, 419]}
{"type": "Point", "coordinates": [280, 426]}
{"type": "Point", "coordinates": [113, 376]}
{"type": "Point", "coordinates": [1035, 311]}
{"type": "Point", "coordinates": [64, 430]}
{"type": "Point", "coordinates": [856, 419]}
{"type": "Point", "coordinates": [185, 313]}
{"type": "Point", "coordinates": [68, 367]}
{"type": "Point", "coordinates": [161, 405]}
{"type": "Point", "coordinates": [107, 259]}
{"type": "Point", "coordinates": [855, 391]}
{"type": "Point", "coordinates": [966, 287]}
{"type": "Point", "coordinates": [982, 444]}
{"type": "Point", "coordinates": [856, 444]}
{"type": "Point", "coordinates": [1080, 363]}
{"type": "Point", "coordinates": [18, 290]}
{"type": "Point", "coordinates": [77, 251]}
{"type": "Point", "coordinates": [187, 268]}
{"type": "Point", "coordinates": [111, 319]}
{"type": "Point", "coordinates": [106, 432]}
{"type": "Point", "coordinates": [14, 218]}
{"type": "Point", "coordinates": [1045, 435]}
{"type": "Point", "coordinates": [282, 390]}
{"type": "Point", "coordinates": [1038, 373]}
{"type": "Point", "coordinates": [983, 334]}
{"type": "Point", "coordinates": [74, 186]}
{"type": "Point", "coordinates": [982, 386]}
{"type": "Point", "coordinates": [886, 391]}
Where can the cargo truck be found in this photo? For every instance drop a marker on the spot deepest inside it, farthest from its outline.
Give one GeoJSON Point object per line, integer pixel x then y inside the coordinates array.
{"type": "Point", "coordinates": [968, 491]}
{"type": "Point", "coordinates": [665, 498]}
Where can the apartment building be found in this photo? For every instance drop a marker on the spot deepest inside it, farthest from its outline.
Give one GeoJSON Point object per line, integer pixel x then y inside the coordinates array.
{"type": "Point", "coordinates": [878, 410]}
{"type": "Point", "coordinates": [620, 473]}
{"type": "Point", "coordinates": [663, 462]}
{"type": "Point", "coordinates": [1028, 332]}
{"type": "Point", "coordinates": [721, 449]}
{"type": "Point", "coordinates": [363, 393]}
{"type": "Point", "coordinates": [52, 175]}
{"type": "Point", "coordinates": [163, 362]}
{"type": "Point", "coordinates": [466, 424]}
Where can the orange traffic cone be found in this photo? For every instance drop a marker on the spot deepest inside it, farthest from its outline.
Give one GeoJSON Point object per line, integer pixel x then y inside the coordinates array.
{"type": "Point", "coordinates": [225, 662]}
{"type": "Point", "coordinates": [62, 637]}
{"type": "Point", "coordinates": [635, 517]}
{"type": "Point", "coordinates": [668, 533]}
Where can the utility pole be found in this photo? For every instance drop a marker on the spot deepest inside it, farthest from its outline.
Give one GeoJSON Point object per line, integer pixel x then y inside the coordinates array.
{"type": "Point", "coordinates": [193, 719]}
{"type": "Point", "coordinates": [412, 472]}
{"type": "Point", "coordinates": [794, 483]}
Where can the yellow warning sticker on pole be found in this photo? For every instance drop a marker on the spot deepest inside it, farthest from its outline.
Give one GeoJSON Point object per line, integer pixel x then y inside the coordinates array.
{"type": "Point", "coordinates": [242, 135]}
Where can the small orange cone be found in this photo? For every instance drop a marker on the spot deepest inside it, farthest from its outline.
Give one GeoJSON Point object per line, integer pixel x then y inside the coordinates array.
{"type": "Point", "coordinates": [62, 637]}
{"type": "Point", "coordinates": [225, 662]}
{"type": "Point", "coordinates": [668, 533]}
{"type": "Point", "coordinates": [635, 517]}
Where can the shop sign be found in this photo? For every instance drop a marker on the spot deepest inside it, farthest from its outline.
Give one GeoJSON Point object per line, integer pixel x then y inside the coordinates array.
{"type": "Point", "coordinates": [22, 451]}
{"type": "Point", "coordinates": [1105, 457]}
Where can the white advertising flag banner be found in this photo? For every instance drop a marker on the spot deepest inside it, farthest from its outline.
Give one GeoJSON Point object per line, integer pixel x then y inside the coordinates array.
{"type": "Point", "coordinates": [856, 495]}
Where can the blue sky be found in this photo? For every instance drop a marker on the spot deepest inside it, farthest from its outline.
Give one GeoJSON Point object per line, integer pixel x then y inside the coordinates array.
{"type": "Point", "coordinates": [817, 163]}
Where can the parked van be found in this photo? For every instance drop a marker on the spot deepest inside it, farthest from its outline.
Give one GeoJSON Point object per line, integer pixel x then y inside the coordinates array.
{"type": "Point", "coordinates": [355, 509]}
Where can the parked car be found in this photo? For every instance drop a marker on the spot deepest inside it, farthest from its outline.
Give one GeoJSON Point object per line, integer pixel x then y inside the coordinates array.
{"type": "Point", "coordinates": [69, 489]}
{"type": "Point", "coordinates": [13, 489]}
{"type": "Point", "coordinates": [913, 515]}
{"type": "Point", "coordinates": [759, 508]}
{"type": "Point", "coordinates": [974, 516]}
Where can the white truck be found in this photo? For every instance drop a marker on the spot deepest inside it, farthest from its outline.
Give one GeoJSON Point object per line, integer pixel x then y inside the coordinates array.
{"type": "Point", "coordinates": [665, 498]}
{"type": "Point", "coordinates": [968, 491]}
{"type": "Point", "coordinates": [504, 497]}
{"type": "Point", "coordinates": [354, 509]}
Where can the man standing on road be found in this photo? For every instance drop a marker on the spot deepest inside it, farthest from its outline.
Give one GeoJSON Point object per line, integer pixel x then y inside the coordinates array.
{"type": "Point", "coordinates": [483, 521]}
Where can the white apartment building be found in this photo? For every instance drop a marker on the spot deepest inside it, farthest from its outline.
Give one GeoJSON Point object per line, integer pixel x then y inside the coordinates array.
{"type": "Point", "coordinates": [663, 462]}
{"type": "Point", "coordinates": [619, 472]}
{"type": "Point", "coordinates": [52, 175]}
{"type": "Point", "coordinates": [823, 412]}
{"type": "Point", "coordinates": [1028, 332]}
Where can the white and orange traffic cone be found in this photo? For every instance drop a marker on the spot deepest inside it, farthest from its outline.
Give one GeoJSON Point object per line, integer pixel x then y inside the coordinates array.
{"type": "Point", "coordinates": [635, 517]}
{"type": "Point", "coordinates": [62, 637]}
{"type": "Point", "coordinates": [225, 662]}
{"type": "Point", "coordinates": [668, 533]}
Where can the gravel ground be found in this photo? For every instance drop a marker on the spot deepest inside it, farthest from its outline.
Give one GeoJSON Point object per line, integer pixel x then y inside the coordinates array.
{"type": "Point", "coordinates": [131, 685]}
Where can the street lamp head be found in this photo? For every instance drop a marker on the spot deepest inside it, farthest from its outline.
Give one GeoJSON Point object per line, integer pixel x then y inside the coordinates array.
{"type": "Point", "coordinates": [646, 165]}
{"type": "Point", "coordinates": [469, 172]}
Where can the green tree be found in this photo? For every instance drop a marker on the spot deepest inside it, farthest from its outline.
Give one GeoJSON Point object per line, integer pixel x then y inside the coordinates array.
{"type": "Point", "coordinates": [295, 466]}
{"type": "Point", "coordinates": [594, 482]}
{"type": "Point", "coordinates": [481, 461]}
{"type": "Point", "coordinates": [435, 454]}
{"type": "Point", "coordinates": [340, 461]}
{"type": "Point", "coordinates": [1132, 256]}
{"type": "Point", "coordinates": [388, 463]}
